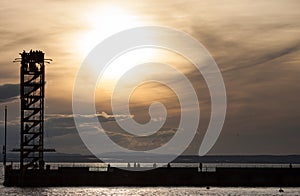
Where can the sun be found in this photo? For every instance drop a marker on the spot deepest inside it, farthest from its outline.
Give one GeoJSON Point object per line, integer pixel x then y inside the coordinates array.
{"type": "Point", "coordinates": [119, 66]}
{"type": "Point", "coordinates": [102, 23]}
{"type": "Point", "coordinates": [105, 21]}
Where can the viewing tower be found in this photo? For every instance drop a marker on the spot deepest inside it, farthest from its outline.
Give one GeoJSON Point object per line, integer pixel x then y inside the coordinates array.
{"type": "Point", "coordinates": [32, 95]}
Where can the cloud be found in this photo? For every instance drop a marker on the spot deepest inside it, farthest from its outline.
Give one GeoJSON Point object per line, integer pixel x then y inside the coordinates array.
{"type": "Point", "coordinates": [104, 117]}
{"type": "Point", "coordinates": [261, 59]}
{"type": "Point", "coordinates": [141, 143]}
{"type": "Point", "coordinates": [9, 92]}
{"type": "Point", "coordinates": [60, 124]}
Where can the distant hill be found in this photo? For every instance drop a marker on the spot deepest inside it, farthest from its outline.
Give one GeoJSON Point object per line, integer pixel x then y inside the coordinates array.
{"type": "Point", "coordinates": [284, 159]}
{"type": "Point", "coordinates": [109, 157]}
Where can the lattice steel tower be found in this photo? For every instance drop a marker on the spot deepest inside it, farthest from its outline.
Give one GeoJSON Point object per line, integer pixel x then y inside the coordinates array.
{"type": "Point", "coordinates": [32, 94]}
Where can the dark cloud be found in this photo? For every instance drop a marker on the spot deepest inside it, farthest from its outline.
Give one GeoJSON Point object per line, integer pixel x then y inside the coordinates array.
{"type": "Point", "coordinates": [260, 59]}
{"type": "Point", "coordinates": [60, 124]}
{"type": "Point", "coordinates": [104, 117]}
{"type": "Point", "coordinates": [9, 92]}
{"type": "Point", "coordinates": [141, 143]}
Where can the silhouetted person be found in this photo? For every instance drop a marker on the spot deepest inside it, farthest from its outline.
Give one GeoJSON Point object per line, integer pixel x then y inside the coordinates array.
{"type": "Point", "coordinates": [169, 165]}
{"type": "Point", "coordinates": [154, 165]}
{"type": "Point", "coordinates": [200, 166]}
{"type": "Point", "coordinates": [291, 166]}
{"type": "Point", "coordinates": [108, 167]}
{"type": "Point", "coordinates": [128, 165]}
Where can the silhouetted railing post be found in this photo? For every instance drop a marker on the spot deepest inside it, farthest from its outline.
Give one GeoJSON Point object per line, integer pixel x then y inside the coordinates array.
{"type": "Point", "coordinates": [5, 137]}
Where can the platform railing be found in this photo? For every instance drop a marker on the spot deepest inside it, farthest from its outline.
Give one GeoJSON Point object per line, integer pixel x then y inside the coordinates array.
{"type": "Point", "coordinates": [206, 167]}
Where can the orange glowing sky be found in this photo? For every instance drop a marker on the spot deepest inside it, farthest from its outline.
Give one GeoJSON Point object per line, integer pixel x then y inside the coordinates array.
{"type": "Point", "coordinates": [256, 45]}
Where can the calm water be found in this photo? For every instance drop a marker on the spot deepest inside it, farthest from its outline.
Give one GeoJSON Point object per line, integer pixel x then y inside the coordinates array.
{"type": "Point", "coordinates": [144, 191]}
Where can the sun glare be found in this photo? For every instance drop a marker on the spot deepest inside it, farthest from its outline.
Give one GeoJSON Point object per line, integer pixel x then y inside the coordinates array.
{"type": "Point", "coordinates": [119, 66]}
{"type": "Point", "coordinates": [125, 62]}
{"type": "Point", "coordinates": [109, 20]}
{"type": "Point", "coordinates": [102, 23]}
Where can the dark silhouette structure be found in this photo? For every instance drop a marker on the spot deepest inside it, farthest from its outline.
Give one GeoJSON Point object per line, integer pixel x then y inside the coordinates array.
{"type": "Point", "coordinates": [5, 137]}
{"type": "Point", "coordinates": [32, 95]}
{"type": "Point", "coordinates": [163, 176]}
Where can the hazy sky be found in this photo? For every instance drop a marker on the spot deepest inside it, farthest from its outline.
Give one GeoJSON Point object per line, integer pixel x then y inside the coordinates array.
{"type": "Point", "coordinates": [256, 45]}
